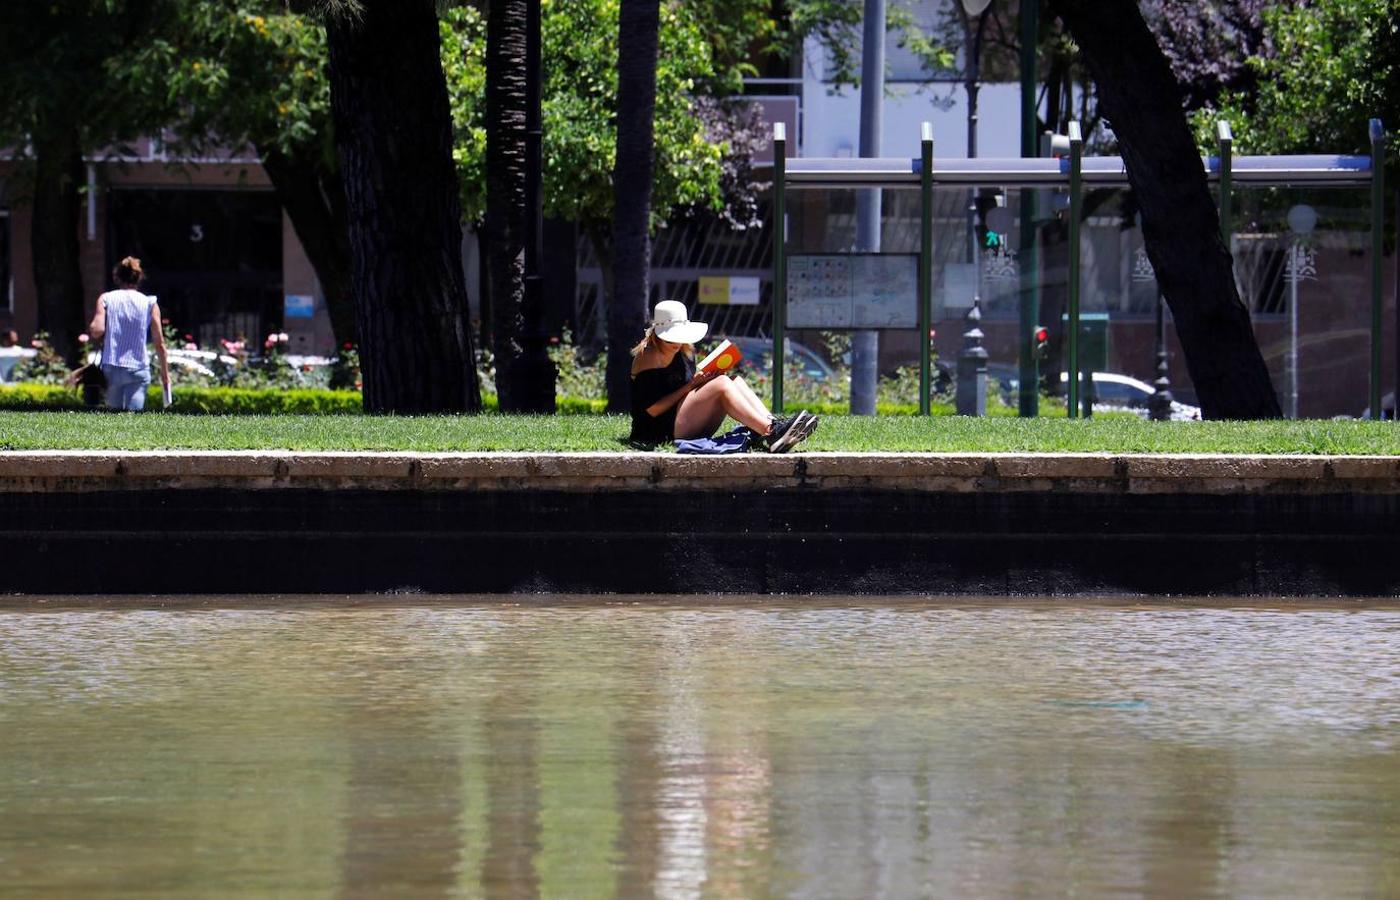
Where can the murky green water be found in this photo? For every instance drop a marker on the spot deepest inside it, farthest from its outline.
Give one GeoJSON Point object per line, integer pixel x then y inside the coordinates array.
{"type": "Point", "coordinates": [581, 751]}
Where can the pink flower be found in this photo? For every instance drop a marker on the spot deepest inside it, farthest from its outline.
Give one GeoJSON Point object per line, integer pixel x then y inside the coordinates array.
{"type": "Point", "coordinates": [36, 344]}
{"type": "Point", "coordinates": [282, 336]}
{"type": "Point", "coordinates": [270, 342]}
{"type": "Point", "coordinates": [83, 338]}
{"type": "Point", "coordinates": [191, 345]}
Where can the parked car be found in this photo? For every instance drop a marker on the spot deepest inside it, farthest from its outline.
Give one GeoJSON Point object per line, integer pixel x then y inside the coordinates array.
{"type": "Point", "coordinates": [1113, 392]}
{"type": "Point", "coordinates": [1387, 408]}
{"type": "Point", "coordinates": [11, 357]}
{"type": "Point", "coordinates": [758, 357]}
{"type": "Point", "coordinates": [1008, 379]}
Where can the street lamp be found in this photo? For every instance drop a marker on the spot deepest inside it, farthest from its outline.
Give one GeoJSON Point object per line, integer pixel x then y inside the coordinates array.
{"type": "Point", "coordinates": [974, 11]}
{"type": "Point", "coordinates": [972, 361]}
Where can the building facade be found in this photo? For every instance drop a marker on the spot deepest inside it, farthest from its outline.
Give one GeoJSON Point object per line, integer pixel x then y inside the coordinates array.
{"type": "Point", "coordinates": [220, 254]}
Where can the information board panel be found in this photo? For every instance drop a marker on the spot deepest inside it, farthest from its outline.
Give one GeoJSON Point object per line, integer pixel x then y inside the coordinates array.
{"type": "Point", "coordinates": [851, 290]}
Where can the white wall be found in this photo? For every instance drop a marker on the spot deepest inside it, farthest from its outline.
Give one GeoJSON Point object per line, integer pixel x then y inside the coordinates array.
{"type": "Point", "coordinates": [831, 124]}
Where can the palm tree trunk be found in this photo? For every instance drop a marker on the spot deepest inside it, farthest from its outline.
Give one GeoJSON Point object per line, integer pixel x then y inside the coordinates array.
{"type": "Point", "coordinates": [1181, 228]}
{"type": "Point", "coordinates": [524, 373]}
{"type": "Point", "coordinates": [638, 27]}
{"type": "Point", "coordinates": [58, 175]}
{"type": "Point", "coordinates": [394, 132]}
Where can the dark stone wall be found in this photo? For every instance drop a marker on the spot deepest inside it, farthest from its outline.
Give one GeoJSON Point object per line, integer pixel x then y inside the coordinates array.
{"type": "Point", "coordinates": [792, 541]}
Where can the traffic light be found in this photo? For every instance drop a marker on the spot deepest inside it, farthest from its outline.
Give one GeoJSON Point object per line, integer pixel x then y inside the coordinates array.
{"type": "Point", "coordinates": [1040, 342]}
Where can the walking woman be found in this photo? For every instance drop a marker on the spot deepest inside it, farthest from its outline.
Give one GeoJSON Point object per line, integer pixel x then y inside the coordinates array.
{"type": "Point", "coordinates": [671, 402]}
{"type": "Point", "coordinates": [124, 317]}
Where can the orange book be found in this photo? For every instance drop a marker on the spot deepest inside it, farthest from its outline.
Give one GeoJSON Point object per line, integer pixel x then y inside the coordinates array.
{"type": "Point", "coordinates": [721, 359]}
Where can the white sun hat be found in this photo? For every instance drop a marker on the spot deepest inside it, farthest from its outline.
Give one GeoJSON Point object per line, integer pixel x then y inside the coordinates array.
{"type": "Point", "coordinates": [670, 322]}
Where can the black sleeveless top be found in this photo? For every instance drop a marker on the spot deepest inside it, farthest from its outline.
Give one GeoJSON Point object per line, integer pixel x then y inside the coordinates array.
{"type": "Point", "coordinates": [649, 386]}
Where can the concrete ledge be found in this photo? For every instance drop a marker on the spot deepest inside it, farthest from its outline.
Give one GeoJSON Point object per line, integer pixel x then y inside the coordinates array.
{"type": "Point", "coordinates": [78, 471]}
{"type": "Point", "coordinates": [970, 524]}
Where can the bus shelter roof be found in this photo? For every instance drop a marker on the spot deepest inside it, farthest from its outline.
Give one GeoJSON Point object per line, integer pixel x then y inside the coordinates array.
{"type": "Point", "coordinates": [1097, 171]}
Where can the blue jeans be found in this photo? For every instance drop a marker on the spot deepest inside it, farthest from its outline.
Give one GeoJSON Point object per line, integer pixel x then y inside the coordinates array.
{"type": "Point", "coordinates": [126, 389]}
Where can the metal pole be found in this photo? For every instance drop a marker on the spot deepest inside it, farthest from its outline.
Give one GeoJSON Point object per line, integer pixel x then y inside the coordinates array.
{"type": "Point", "coordinates": [1227, 140]}
{"type": "Point", "coordinates": [1030, 34]}
{"type": "Point", "coordinates": [865, 344]}
{"type": "Point", "coordinates": [973, 61]}
{"type": "Point", "coordinates": [1029, 397]}
{"type": "Point", "coordinates": [1377, 249]}
{"type": "Point", "coordinates": [1076, 159]}
{"type": "Point", "coordinates": [972, 85]}
{"type": "Point", "coordinates": [1395, 288]}
{"type": "Point", "coordinates": [1294, 264]}
{"type": "Point", "coordinates": [925, 263]}
{"type": "Point", "coordinates": [779, 259]}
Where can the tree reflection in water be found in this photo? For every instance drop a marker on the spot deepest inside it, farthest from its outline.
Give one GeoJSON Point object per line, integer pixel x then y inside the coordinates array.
{"type": "Point", "coordinates": [853, 750]}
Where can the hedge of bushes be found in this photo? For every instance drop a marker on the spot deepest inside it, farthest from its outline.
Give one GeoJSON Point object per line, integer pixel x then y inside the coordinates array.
{"type": "Point", "coordinates": [197, 400]}
{"type": "Point", "coordinates": [320, 402]}
{"type": "Point", "coordinates": [239, 401]}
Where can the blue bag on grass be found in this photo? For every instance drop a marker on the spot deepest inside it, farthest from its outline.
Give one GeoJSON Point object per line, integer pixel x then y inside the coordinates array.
{"type": "Point", "coordinates": [735, 441]}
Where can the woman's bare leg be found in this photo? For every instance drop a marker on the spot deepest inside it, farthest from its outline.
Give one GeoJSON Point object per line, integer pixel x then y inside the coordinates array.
{"type": "Point", "coordinates": [703, 410]}
{"type": "Point", "coordinates": [754, 402]}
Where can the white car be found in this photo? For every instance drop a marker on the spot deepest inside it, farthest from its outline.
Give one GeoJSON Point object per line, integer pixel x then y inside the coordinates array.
{"type": "Point", "coordinates": [1114, 392]}
{"type": "Point", "coordinates": [192, 362]}
{"type": "Point", "coordinates": [11, 357]}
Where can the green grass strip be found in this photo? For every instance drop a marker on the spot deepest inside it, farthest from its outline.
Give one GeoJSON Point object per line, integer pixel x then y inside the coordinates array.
{"type": "Point", "coordinates": [1117, 434]}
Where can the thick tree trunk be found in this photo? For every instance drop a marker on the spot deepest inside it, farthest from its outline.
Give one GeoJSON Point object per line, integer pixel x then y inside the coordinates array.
{"type": "Point", "coordinates": [1181, 228]}
{"type": "Point", "coordinates": [58, 176]}
{"type": "Point", "coordinates": [524, 373]}
{"type": "Point", "coordinates": [394, 133]}
{"type": "Point", "coordinates": [314, 199]}
{"type": "Point", "coordinates": [638, 25]}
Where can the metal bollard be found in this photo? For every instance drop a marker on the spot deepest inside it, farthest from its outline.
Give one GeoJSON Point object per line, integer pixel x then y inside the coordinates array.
{"type": "Point", "coordinates": [1159, 405]}
{"type": "Point", "coordinates": [972, 367]}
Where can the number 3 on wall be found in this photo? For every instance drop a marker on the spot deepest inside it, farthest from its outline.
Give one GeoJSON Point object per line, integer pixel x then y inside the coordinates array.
{"type": "Point", "coordinates": [196, 234]}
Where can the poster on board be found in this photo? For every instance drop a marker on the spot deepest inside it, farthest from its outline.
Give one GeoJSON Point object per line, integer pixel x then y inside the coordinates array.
{"type": "Point", "coordinates": [872, 290]}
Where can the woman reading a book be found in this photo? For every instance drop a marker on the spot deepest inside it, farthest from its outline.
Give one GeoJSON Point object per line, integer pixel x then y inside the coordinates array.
{"type": "Point", "coordinates": [672, 401]}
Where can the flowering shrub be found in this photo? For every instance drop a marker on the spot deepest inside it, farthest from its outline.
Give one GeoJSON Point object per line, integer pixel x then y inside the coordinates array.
{"type": "Point", "coordinates": [578, 378]}
{"type": "Point", "coordinates": [345, 370]}
{"type": "Point", "coordinates": [46, 366]}
{"type": "Point", "coordinates": [272, 368]}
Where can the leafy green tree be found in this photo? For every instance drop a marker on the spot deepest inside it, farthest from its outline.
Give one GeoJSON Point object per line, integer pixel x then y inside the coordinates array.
{"type": "Point", "coordinates": [254, 72]}
{"type": "Point", "coordinates": [1332, 65]}
{"type": "Point", "coordinates": [63, 102]}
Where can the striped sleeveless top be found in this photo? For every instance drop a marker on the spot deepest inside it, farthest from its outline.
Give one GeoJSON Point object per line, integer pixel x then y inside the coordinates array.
{"type": "Point", "coordinates": [128, 323]}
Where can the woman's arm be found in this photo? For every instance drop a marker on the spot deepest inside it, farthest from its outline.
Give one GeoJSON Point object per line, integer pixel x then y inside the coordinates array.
{"type": "Point", "coordinates": [159, 335]}
{"type": "Point", "coordinates": [98, 326]}
{"type": "Point", "coordinates": [700, 380]}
